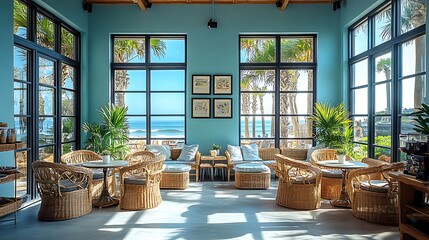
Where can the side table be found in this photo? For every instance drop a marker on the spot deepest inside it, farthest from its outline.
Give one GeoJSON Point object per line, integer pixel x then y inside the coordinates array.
{"type": "Point", "coordinates": [216, 162]}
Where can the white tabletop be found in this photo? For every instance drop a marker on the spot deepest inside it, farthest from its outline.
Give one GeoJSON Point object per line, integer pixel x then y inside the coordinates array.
{"type": "Point", "coordinates": [345, 165]}
{"type": "Point", "coordinates": [100, 164]}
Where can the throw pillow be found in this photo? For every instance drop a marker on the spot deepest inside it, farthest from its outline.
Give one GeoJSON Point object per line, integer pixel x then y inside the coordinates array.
{"type": "Point", "coordinates": [250, 152]}
{"type": "Point", "coordinates": [188, 152]}
{"type": "Point", "coordinates": [235, 153]}
{"type": "Point", "coordinates": [159, 150]}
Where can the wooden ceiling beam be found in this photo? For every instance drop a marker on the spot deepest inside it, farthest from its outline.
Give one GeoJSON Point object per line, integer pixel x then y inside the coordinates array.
{"type": "Point", "coordinates": [141, 5]}
{"type": "Point", "coordinates": [284, 5]}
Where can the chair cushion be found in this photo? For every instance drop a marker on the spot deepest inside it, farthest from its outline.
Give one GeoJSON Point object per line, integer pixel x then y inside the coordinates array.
{"type": "Point", "coordinates": [140, 180]}
{"type": "Point", "coordinates": [188, 152]}
{"type": "Point", "coordinates": [269, 162]}
{"type": "Point", "coordinates": [179, 162]}
{"type": "Point", "coordinates": [68, 186]}
{"type": "Point", "coordinates": [235, 153]}
{"type": "Point", "coordinates": [301, 180]}
{"type": "Point", "coordinates": [250, 152]}
{"type": "Point", "coordinates": [97, 174]}
{"type": "Point", "coordinates": [251, 168]}
{"type": "Point", "coordinates": [159, 150]}
{"type": "Point", "coordinates": [332, 173]}
{"type": "Point", "coordinates": [176, 168]}
{"type": "Point", "coordinates": [380, 186]}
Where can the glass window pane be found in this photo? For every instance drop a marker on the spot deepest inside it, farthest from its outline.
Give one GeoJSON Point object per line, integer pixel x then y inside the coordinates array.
{"type": "Point", "coordinates": [22, 163]}
{"type": "Point", "coordinates": [407, 124]}
{"type": "Point", "coordinates": [413, 56]}
{"type": "Point", "coordinates": [45, 31]}
{"type": "Point", "coordinates": [129, 50]}
{"type": "Point", "coordinates": [360, 129]}
{"type": "Point", "coordinates": [296, 80]}
{"type": "Point", "coordinates": [20, 98]}
{"type": "Point", "coordinates": [67, 43]}
{"type": "Point", "coordinates": [167, 127]}
{"type": "Point", "coordinates": [299, 143]}
{"type": "Point", "coordinates": [383, 98]}
{"type": "Point", "coordinates": [360, 73]}
{"type": "Point", "coordinates": [20, 19]}
{"type": "Point", "coordinates": [257, 103]}
{"type": "Point", "coordinates": [68, 103]}
{"type": "Point", "coordinates": [383, 26]}
{"type": "Point", "coordinates": [360, 39]}
{"type": "Point", "coordinates": [413, 93]}
{"type": "Point", "coordinates": [360, 101]}
{"type": "Point", "coordinates": [167, 80]}
{"type": "Point", "coordinates": [413, 14]}
{"type": "Point", "coordinates": [169, 50]}
{"type": "Point", "coordinates": [46, 154]}
{"type": "Point", "coordinates": [296, 103]}
{"type": "Point", "coordinates": [136, 102]}
{"type": "Point", "coordinates": [68, 129]}
{"type": "Point", "coordinates": [257, 127]}
{"type": "Point", "coordinates": [130, 80]}
{"type": "Point", "coordinates": [46, 101]}
{"type": "Point", "coordinates": [46, 130]}
{"type": "Point", "coordinates": [20, 63]}
{"type": "Point", "coordinates": [296, 49]}
{"type": "Point", "coordinates": [68, 76]}
{"type": "Point", "coordinates": [136, 145]}
{"type": "Point", "coordinates": [21, 126]}
{"type": "Point", "coordinates": [46, 71]}
{"type": "Point", "coordinates": [257, 50]}
{"type": "Point", "coordinates": [167, 103]}
{"type": "Point", "coordinates": [296, 127]}
{"type": "Point", "coordinates": [263, 143]}
{"type": "Point", "coordinates": [137, 127]}
{"type": "Point", "coordinates": [68, 147]}
{"type": "Point", "coordinates": [382, 153]}
{"type": "Point", "coordinates": [257, 80]}
{"type": "Point", "coordinates": [383, 67]}
{"type": "Point", "coordinates": [383, 131]}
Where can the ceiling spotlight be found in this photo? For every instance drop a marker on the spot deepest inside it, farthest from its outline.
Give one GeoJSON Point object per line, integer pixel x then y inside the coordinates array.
{"type": "Point", "coordinates": [336, 5]}
{"type": "Point", "coordinates": [279, 3]}
{"type": "Point", "coordinates": [212, 24]}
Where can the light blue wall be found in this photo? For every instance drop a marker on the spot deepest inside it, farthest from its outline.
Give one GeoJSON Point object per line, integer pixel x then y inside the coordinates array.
{"type": "Point", "coordinates": [213, 51]}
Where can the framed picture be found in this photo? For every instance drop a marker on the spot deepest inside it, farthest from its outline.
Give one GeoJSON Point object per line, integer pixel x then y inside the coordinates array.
{"type": "Point", "coordinates": [201, 107]}
{"type": "Point", "coordinates": [201, 84]}
{"type": "Point", "coordinates": [222, 107]}
{"type": "Point", "coordinates": [222, 84]}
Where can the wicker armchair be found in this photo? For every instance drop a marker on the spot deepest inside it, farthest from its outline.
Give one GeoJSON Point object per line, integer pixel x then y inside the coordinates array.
{"type": "Point", "coordinates": [372, 199]}
{"type": "Point", "coordinates": [80, 156]}
{"type": "Point", "coordinates": [175, 153]}
{"type": "Point", "coordinates": [139, 156]}
{"type": "Point", "coordinates": [299, 184]}
{"type": "Point", "coordinates": [140, 184]}
{"type": "Point", "coordinates": [65, 190]}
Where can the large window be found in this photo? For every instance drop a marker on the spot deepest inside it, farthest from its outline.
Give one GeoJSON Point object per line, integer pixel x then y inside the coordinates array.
{"type": "Point", "coordinates": [46, 89]}
{"type": "Point", "coordinates": [277, 91]}
{"type": "Point", "coordinates": [148, 77]}
{"type": "Point", "coordinates": [387, 64]}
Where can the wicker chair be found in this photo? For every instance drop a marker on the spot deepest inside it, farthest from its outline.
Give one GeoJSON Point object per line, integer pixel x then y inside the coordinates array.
{"type": "Point", "coordinates": [80, 156]}
{"type": "Point", "coordinates": [372, 199]}
{"type": "Point", "coordinates": [140, 184]}
{"type": "Point", "coordinates": [175, 153]}
{"type": "Point", "coordinates": [65, 190]}
{"type": "Point", "coordinates": [299, 184]}
{"type": "Point", "coordinates": [139, 156]}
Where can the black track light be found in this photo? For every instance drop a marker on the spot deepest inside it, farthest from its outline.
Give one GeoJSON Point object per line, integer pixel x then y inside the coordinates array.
{"type": "Point", "coordinates": [336, 5]}
{"type": "Point", "coordinates": [279, 3]}
{"type": "Point", "coordinates": [212, 24]}
{"type": "Point", "coordinates": [87, 6]}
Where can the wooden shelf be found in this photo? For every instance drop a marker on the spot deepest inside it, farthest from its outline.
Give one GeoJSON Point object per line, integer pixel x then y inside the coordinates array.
{"type": "Point", "coordinates": [11, 177]}
{"type": "Point", "coordinates": [11, 146]}
{"type": "Point", "coordinates": [422, 210]}
{"type": "Point", "coordinates": [406, 228]}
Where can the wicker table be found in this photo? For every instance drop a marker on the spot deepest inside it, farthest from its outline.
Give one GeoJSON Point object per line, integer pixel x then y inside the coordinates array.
{"type": "Point", "coordinates": [213, 159]}
{"type": "Point", "coordinates": [344, 200]}
{"type": "Point", "coordinates": [105, 199]}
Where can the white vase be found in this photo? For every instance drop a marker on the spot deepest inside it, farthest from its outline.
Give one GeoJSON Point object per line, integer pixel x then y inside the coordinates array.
{"type": "Point", "coordinates": [106, 158]}
{"type": "Point", "coordinates": [213, 153]}
{"type": "Point", "coordinates": [341, 158]}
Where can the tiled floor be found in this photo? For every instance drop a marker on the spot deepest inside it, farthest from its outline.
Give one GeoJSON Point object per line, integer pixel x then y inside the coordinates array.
{"type": "Point", "coordinates": [206, 210]}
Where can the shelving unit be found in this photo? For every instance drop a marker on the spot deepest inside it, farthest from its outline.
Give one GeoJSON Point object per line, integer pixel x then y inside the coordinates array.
{"type": "Point", "coordinates": [9, 205]}
{"type": "Point", "coordinates": [413, 194]}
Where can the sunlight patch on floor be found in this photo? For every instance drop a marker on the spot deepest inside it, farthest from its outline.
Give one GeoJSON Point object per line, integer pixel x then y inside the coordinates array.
{"type": "Point", "coordinates": [226, 218]}
{"type": "Point", "coordinates": [121, 218]}
{"type": "Point", "coordinates": [110, 229]}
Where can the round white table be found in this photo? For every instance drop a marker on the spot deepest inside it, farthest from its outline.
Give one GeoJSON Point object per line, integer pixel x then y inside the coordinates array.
{"type": "Point", "coordinates": [105, 199]}
{"type": "Point", "coordinates": [344, 200]}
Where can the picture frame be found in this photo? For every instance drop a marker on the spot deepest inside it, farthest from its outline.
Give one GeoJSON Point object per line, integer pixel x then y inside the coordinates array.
{"type": "Point", "coordinates": [201, 108]}
{"type": "Point", "coordinates": [201, 84]}
{"type": "Point", "coordinates": [222, 107]}
{"type": "Point", "coordinates": [222, 84]}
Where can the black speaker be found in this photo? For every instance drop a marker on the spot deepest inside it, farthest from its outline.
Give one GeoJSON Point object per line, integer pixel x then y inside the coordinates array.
{"type": "Point", "coordinates": [87, 6]}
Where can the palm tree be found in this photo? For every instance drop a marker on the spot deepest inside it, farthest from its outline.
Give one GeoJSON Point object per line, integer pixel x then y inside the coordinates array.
{"type": "Point", "coordinates": [384, 65]}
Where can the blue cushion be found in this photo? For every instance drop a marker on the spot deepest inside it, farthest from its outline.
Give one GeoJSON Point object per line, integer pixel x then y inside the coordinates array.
{"type": "Point", "coordinates": [269, 162]}
{"type": "Point", "coordinates": [140, 180]}
{"type": "Point", "coordinates": [251, 168]}
{"type": "Point", "coordinates": [159, 150]}
{"type": "Point", "coordinates": [68, 186]}
{"type": "Point", "coordinates": [235, 153]}
{"type": "Point", "coordinates": [97, 174]}
{"type": "Point", "coordinates": [176, 168]}
{"type": "Point", "coordinates": [250, 152]}
{"type": "Point", "coordinates": [188, 152]}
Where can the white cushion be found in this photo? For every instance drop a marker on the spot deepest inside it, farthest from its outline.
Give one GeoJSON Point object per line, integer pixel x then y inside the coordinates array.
{"type": "Point", "coordinates": [251, 168]}
{"type": "Point", "coordinates": [332, 173]}
{"type": "Point", "coordinates": [269, 162]}
{"type": "Point", "coordinates": [159, 150]}
{"type": "Point", "coordinates": [250, 152]}
{"type": "Point", "coordinates": [176, 168]}
{"type": "Point", "coordinates": [380, 186]}
{"type": "Point", "coordinates": [235, 153]}
{"type": "Point", "coordinates": [188, 152]}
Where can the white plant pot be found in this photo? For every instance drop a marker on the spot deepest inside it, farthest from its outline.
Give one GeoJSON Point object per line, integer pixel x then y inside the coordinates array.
{"type": "Point", "coordinates": [213, 153]}
{"type": "Point", "coordinates": [106, 158]}
{"type": "Point", "coordinates": [341, 158]}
